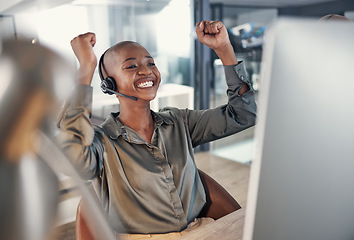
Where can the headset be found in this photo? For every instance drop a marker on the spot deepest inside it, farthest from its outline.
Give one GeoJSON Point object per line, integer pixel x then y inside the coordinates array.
{"type": "Point", "coordinates": [108, 84]}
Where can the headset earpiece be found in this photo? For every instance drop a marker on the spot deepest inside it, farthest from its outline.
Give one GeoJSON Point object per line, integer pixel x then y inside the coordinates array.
{"type": "Point", "coordinates": [107, 82]}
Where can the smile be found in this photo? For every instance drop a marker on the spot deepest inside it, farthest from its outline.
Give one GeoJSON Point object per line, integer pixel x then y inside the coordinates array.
{"type": "Point", "coordinates": [145, 84]}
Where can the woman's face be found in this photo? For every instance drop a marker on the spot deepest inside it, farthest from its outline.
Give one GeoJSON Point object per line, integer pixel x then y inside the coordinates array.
{"type": "Point", "coordinates": [135, 72]}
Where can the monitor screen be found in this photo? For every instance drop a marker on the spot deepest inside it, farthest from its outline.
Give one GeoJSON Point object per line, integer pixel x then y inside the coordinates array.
{"type": "Point", "coordinates": [302, 177]}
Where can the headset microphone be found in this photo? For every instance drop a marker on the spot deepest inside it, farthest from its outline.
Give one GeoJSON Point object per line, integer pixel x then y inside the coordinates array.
{"type": "Point", "coordinates": [120, 94]}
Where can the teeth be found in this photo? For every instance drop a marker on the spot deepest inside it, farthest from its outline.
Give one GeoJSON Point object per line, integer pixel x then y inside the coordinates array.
{"type": "Point", "coordinates": [145, 84]}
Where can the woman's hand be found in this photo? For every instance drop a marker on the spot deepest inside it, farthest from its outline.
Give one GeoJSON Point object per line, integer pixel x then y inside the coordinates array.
{"type": "Point", "coordinates": [82, 46]}
{"type": "Point", "coordinates": [214, 35]}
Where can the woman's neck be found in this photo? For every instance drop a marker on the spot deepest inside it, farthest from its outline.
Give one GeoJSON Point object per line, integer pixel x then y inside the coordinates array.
{"type": "Point", "coordinates": [139, 119]}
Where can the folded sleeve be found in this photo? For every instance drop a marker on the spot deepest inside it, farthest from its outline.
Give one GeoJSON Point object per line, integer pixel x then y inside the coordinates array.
{"type": "Point", "coordinates": [237, 115]}
{"type": "Point", "coordinates": [77, 136]}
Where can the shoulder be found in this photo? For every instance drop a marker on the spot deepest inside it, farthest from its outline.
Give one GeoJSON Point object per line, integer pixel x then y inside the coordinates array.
{"type": "Point", "coordinates": [99, 132]}
{"type": "Point", "coordinates": [171, 114]}
{"type": "Point", "coordinates": [169, 110]}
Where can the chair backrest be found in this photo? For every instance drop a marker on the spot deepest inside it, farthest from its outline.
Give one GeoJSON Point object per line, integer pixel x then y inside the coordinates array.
{"type": "Point", "coordinates": [219, 203]}
{"type": "Point", "coordinates": [82, 230]}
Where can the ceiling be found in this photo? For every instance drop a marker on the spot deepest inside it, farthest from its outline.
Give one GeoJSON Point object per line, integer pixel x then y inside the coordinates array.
{"type": "Point", "coordinates": [14, 6]}
{"type": "Point", "coordinates": [270, 3]}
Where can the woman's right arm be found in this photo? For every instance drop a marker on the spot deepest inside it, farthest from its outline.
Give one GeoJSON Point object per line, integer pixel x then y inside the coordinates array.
{"type": "Point", "coordinates": [82, 46]}
{"type": "Point", "coordinates": [77, 137]}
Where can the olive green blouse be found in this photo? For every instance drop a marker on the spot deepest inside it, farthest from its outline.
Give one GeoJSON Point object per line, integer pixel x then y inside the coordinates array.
{"type": "Point", "coordinates": [151, 188]}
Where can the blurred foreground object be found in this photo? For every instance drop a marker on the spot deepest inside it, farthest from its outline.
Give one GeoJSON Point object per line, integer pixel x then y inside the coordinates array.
{"type": "Point", "coordinates": [32, 80]}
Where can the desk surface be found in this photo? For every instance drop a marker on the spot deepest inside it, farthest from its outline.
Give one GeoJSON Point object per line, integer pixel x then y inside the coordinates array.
{"type": "Point", "coordinates": [229, 227]}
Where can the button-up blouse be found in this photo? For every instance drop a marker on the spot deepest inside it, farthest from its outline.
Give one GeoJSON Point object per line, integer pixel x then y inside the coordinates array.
{"type": "Point", "coordinates": [151, 188]}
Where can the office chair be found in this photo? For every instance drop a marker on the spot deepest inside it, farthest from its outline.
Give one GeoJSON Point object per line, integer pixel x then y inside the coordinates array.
{"type": "Point", "coordinates": [218, 204]}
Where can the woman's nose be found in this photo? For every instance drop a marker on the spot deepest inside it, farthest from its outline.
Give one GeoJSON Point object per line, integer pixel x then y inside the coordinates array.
{"type": "Point", "coordinates": [144, 70]}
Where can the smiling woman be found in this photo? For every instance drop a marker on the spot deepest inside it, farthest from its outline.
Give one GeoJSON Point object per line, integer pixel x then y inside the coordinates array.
{"type": "Point", "coordinates": [132, 74]}
{"type": "Point", "coordinates": [142, 162]}
{"type": "Point", "coordinates": [122, 65]}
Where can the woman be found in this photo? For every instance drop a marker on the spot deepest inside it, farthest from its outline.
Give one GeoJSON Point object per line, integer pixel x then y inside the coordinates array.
{"type": "Point", "coordinates": [142, 162]}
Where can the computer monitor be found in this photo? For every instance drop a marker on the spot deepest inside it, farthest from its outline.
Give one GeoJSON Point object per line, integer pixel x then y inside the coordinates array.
{"type": "Point", "coordinates": [302, 177]}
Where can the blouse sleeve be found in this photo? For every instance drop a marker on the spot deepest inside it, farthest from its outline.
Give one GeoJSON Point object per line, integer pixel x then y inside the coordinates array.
{"type": "Point", "coordinates": [237, 115]}
{"type": "Point", "coordinates": [77, 136]}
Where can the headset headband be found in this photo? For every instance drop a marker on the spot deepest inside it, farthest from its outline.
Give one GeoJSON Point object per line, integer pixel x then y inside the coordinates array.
{"type": "Point", "coordinates": [101, 65]}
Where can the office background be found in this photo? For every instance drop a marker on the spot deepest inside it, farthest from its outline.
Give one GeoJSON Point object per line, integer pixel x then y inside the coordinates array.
{"type": "Point", "coordinates": [192, 76]}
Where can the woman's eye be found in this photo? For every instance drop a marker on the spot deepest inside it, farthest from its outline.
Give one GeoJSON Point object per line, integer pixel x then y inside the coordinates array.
{"type": "Point", "coordinates": [131, 66]}
{"type": "Point", "coordinates": [152, 64]}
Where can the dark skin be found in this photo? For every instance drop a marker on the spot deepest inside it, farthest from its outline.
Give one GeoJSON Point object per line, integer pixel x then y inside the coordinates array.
{"type": "Point", "coordinates": [136, 75]}
{"type": "Point", "coordinates": [132, 66]}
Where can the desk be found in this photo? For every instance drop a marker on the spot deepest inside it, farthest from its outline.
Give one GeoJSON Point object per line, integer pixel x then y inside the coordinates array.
{"type": "Point", "coordinates": [229, 227]}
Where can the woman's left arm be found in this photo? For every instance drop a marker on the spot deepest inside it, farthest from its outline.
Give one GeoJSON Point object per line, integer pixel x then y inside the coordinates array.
{"type": "Point", "coordinates": [240, 111]}
{"type": "Point", "coordinates": [214, 35]}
